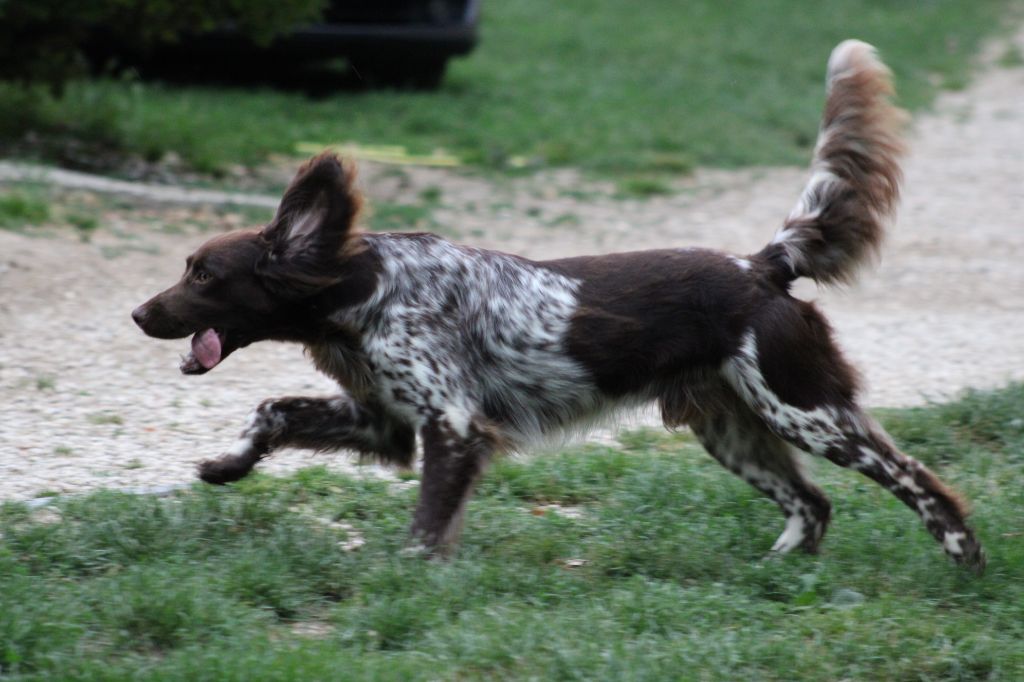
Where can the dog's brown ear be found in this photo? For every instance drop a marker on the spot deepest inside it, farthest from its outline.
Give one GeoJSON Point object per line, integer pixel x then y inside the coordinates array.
{"type": "Point", "coordinates": [312, 228]}
{"type": "Point", "coordinates": [318, 210]}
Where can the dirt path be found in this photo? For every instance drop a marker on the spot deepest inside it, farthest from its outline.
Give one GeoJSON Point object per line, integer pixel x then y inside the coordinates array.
{"type": "Point", "coordinates": [89, 402]}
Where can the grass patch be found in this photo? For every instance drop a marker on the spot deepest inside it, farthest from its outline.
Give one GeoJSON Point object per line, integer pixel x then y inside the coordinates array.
{"type": "Point", "coordinates": [27, 205]}
{"type": "Point", "coordinates": [85, 223]}
{"type": "Point", "coordinates": [642, 187]}
{"type": "Point", "coordinates": [38, 209]}
{"type": "Point", "coordinates": [46, 382]}
{"type": "Point", "coordinates": [20, 209]}
{"type": "Point", "coordinates": [387, 216]}
{"type": "Point", "coordinates": [101, 418]}
{"type": "Point", "coordinates": [1012, 57]}
{"type": "Point", "coordinates": [390, 216]}
{"type": "Point", "coordinates": [659, 576]}
{"type": "Point", "coordinates": [594, 84]}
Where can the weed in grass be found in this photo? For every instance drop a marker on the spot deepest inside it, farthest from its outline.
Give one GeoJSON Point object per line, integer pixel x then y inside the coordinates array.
{"type": "Point", "coordinates": [1012, 57]}
{"type": "Point", "coordinates": [20, 209]}
{"type": "Point", "coordinates": [389, 217]}
{"type": "Point", "coordinates": [642, 187]}
{"type": "Point", "coordinates": [564, 220]}
{"type": "Point", "coordinates": [171, 228]}
{"type": "Point", "coordinates": [955, 81]}
{"type": "Point", "coordinates": [101, 418]}
{"type": "Point", "coordinates": [63, 450]}
{"type": "Point", "coordinates": [46, 382]}
{"type": "Point", "coordinates": [85, 223]}
{"type": "Point", "coordinates": [582, 196]}
{"type": "Point", "coordinates": [431, 195]}
{"type": "Point", "coordinates": [679, 163]}
{"type": "Point", "coordinates": [650, 439]}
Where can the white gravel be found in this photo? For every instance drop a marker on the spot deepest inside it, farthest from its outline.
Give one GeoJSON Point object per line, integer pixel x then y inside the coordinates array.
{"type": "Point", "coordinates": [89, 402]}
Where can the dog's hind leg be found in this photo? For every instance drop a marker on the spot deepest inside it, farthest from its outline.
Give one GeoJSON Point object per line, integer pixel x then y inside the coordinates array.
{"type": "Point", "coordinates": [454, 457]}
{"type": "Point", "coordinates": [841, 432]}
{"type": "Point", "coordinates": [314, 423]}
{"type": "Point", "coordinates": [744, 444]}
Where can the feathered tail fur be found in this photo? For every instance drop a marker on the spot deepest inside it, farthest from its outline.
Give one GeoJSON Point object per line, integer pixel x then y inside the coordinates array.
{"type": "Point", "coordinates": [839, 222]}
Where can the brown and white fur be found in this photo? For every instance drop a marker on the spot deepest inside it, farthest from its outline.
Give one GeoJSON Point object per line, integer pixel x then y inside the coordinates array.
{"type": "Point", "coordinates": [478, 352]}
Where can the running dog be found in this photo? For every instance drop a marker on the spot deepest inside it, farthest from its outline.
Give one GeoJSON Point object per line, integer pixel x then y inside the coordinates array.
{"type": "Point", "coordinates": [478, 352]}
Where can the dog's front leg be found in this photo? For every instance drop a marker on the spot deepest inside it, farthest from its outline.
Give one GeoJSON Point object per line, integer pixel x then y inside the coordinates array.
{"type": "Point", "coordinates": [453, 460]}
{"type": "Point", "coordinates": [314, 423]}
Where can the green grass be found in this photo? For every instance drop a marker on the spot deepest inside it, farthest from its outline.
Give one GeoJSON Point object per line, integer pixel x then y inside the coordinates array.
{"type": "Point", "coordinates": [20, 209]}
{"type": "Point", "coordinates": [642, 187]}
{"type": "Point", "coordinates": [34, 208]}
{"type": "Point", "coordinates": [389, 216]}
{"type": "Point", "coordinates": [599, 84]}
{"type": "Point", "coordinates": [1011, 57]}
{"type": "Point", "coordinates": [661, 577]}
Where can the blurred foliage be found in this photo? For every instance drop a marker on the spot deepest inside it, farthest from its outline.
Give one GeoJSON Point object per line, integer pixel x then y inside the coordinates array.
{"type": "Point", "coordinates": [43, 41]}
{"type": "Point", "coordinates": [639, 96]}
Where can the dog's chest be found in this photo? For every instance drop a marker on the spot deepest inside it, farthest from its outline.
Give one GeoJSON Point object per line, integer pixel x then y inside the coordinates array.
{"type": "Point", "coordinates": [346, 363]}
{"type": "Point", "coordinates": [476, 330]}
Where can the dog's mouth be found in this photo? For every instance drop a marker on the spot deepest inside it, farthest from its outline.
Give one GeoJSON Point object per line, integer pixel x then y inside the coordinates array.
{"type": "Point", "coordinates": [209, 347]}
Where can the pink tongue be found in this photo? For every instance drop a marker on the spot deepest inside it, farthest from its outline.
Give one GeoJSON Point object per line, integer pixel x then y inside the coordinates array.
{"type": "Point", "coordinates": [206, 348]}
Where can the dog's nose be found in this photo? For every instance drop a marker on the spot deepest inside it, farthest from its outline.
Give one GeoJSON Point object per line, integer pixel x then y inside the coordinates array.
{"type": "Point", "coordinates": [139, 315]}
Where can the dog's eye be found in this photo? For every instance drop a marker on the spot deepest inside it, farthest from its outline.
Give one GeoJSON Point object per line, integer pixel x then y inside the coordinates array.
{"type": "Point", "coordinates": [201, 277]}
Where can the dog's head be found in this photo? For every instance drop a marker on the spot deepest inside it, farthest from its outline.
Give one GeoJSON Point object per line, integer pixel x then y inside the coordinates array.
{"type": "Point", "coordinates": [248, 286]}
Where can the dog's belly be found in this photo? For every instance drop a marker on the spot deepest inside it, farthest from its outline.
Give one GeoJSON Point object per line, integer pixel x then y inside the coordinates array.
{"type": "Point", "coordinates": [537, 393]}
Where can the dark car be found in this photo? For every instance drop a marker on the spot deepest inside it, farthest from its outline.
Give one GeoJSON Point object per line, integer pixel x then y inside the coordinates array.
{"type": "Point", "coordinates": [387, 43]}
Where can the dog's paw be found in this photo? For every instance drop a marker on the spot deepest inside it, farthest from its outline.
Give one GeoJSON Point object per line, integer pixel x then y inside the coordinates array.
{"type": "Point", "coordinates": [963, 547]}
{"type": "Point", "coordinates": [223, 470]}
{"type": "Point", "coordinates": [973, 558]}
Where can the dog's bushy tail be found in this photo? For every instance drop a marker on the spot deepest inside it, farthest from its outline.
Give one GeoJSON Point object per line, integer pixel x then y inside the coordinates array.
{"type": "Point", "coordinates": [838, 224]}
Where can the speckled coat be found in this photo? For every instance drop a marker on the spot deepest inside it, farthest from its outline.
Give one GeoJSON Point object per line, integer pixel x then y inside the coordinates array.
{"type": "Point", "coordinates": [476, 352]}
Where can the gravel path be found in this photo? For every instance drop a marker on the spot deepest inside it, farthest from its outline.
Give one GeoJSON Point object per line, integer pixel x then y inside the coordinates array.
{"type": "Point", "coordinates": [89, 402]}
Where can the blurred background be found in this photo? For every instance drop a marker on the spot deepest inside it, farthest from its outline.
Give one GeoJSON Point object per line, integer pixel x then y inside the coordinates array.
{"type": "Point", "coordinates": [648, 89]}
